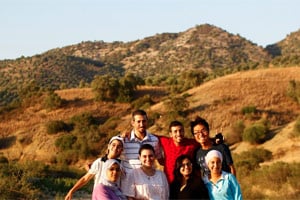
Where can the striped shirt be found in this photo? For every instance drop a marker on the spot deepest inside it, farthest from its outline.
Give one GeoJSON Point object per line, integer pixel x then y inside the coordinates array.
{"type": "Point", "coordinates": [130, 154]}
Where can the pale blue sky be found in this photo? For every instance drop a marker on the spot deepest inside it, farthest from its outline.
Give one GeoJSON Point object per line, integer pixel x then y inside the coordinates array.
{"type": "Point", "coordinates": [30, 27]}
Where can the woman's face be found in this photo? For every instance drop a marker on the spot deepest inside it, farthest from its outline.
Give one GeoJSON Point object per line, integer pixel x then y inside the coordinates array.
{"type": "Point", "coordinates": [147, 158]}
{"type": "Point", "coordinates": [215, 165]}
{"type": "Point", "coordinates": [113, 173]}
{"type": "Point", "coordinates": [115, 148]}
{"type": "Point", "coordinates": [186, 168]}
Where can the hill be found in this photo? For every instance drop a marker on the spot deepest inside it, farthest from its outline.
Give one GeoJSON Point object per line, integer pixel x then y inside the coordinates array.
{"type": "Point", "coordinates": [219, 101]}
{"type": "Point", "coordinates": [204, 48]}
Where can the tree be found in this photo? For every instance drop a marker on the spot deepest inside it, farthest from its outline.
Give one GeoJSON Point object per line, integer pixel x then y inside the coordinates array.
{"type": "Point", "coordinates": [106, 88]}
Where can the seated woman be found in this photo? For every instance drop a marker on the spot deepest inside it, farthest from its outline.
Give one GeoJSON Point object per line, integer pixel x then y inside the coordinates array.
{"type": "Point", "coordinates": [187, 185]}
{"type": "Point", "coordinates": [108, 189]}
{"type": "Point", "coordinates": [146, 182]}
{"type": "Point", "coordinates": [220, 184]}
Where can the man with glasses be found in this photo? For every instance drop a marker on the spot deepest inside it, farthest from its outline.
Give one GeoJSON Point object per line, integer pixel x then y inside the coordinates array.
{"type": "Point", "coordinates": [200, 131]}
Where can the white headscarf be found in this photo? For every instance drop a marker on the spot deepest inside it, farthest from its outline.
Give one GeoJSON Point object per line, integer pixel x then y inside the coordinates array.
{"type": "Point", "coordinates": [116, 138]}
{"type": "Point", "coordinates": [113, 185]}
{"type": "Point", "coordinates": [211, 154]}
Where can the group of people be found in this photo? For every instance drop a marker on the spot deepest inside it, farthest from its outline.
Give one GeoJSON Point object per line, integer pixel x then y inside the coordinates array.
{"type": "Point", "coordinates": [196, 168]}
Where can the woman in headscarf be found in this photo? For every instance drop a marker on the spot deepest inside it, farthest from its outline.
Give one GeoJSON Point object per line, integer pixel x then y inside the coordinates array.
{"type": "Point", "coordinates": [114, 150]}
{"type": "Point", "coordinates": [109, 189]}
{"type": "Point", "coordinates": [220, 184]}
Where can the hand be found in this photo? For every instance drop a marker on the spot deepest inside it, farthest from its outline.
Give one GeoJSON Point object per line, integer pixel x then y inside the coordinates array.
{"type": "Point", "coordinates": [125, 134]}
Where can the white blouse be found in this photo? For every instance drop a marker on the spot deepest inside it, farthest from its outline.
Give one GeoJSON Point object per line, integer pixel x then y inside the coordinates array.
{"type": "Point", "coordinates": [141, 186]}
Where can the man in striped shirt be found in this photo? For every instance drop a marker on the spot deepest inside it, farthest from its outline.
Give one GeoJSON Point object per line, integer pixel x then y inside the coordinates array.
{"type": "Point", "coordinates": [138, 136]}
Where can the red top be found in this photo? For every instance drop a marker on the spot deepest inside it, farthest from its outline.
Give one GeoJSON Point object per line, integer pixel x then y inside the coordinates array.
{"type": "Point", "coordinates": [171, 152]}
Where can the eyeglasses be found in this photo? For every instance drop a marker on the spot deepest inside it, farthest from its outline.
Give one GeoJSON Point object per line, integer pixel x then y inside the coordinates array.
{"type": "Point", "coordinates": [186, 164]}
{"type": "Point", "coordinates": [203, 131]}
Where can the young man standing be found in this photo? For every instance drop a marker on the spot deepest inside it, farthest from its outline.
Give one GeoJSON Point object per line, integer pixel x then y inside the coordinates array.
{"type": "Point", "coordinates": [200, 130]}
{"type": "Point", "coordinates": [174, 146]}
{"type": "Point", "coordinates": [138, 136]}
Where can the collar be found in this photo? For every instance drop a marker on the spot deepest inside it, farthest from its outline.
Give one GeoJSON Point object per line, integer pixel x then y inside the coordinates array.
{"type": "Point", "coordinates": [224, 175]}
{"type": "Point", "coordinates": [133, 138]}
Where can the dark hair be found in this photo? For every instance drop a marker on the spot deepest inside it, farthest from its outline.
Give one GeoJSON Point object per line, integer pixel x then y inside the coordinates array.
{"type": "Point", "coordinates": [199, 121]}
{"type": "Point", "coordinates": [147, 147]}
{"type": "Point", "coordinates": [178, 163]}
{"type": "Point", "coordinates": [175, 123]}
{"type": "Point", "coordinates": [139, 112]}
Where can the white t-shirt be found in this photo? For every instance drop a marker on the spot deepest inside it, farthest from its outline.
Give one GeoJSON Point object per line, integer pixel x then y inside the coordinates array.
{"type": "Point", "coordinates": [96, 169]}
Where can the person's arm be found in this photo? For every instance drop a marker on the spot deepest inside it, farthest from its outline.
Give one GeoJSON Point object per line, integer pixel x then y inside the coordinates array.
{"type": "Point", "coordinates": [232, 169]}
{"type": "Point", "coordinates": [79, 184]}
{"type": "Point", "coordinates": [235, 188]}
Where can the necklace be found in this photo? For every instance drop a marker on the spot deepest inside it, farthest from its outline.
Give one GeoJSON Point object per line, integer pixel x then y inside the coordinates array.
{"type": "Point", "coordinates": [148, 172]}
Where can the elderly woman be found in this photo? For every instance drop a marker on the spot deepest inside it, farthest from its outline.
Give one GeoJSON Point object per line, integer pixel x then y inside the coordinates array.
{"type": "Point", "coordinates": [186, 184]}
{"type": "Point", "coordinates": [220, 184]}
{"type": "Point", "coordinates": [108, 189]}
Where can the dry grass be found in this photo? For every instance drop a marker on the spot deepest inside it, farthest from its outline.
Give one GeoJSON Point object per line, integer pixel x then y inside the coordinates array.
{"type": "Point", "coordinates": [219, 101]}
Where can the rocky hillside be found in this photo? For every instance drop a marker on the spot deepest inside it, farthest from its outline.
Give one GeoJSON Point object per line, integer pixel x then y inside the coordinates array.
{"type": "Point", "coordinates": [205, 47]}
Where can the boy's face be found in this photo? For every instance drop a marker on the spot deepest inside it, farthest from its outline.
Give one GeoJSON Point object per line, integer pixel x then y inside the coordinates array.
{"type": "Point", "coordinates": [201, 134]}
{"type": "Point", "coordinates": [177, 134]}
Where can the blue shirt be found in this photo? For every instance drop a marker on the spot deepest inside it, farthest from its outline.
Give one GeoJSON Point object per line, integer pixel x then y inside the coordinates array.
{"type": "Point", "coordinates": [226, 188]}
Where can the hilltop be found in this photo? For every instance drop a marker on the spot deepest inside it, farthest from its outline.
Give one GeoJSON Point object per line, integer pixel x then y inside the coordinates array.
{"type": "Point", "coordinates": [204, 48]}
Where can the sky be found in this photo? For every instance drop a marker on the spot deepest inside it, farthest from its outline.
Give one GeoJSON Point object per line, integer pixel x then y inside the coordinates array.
{"type": "Point", "coordinates": [31, 27]}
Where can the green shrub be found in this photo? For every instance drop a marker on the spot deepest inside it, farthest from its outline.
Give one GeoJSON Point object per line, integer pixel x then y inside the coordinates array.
{"type": "Point", "coordinates": [248, 110]}
{"type": "Point", "coordinates": [65, 142]}
{"type": "Point", "coordinates": [56, 126]}
{"type": "Point", "coordinates": [141, 102]}
{"type": "Point", "coordinates": [237, 132]}
{"type": "Point", "coordinates": [255, 133]}
{"type": "Point", "coordinates": [3, 160]}
{"type": "Point", "coordinates": [296, 130]}
{"type": "Point", "coordinates": [81, 122]}
{"type": "Point", "coordinates": [247, 161]}
{"type": "Point", "coordinates": [277, 181]}
{"type": "Point", "coordinates": [52, 101]}
{"type": "Point", "coordinates": [293, 90]}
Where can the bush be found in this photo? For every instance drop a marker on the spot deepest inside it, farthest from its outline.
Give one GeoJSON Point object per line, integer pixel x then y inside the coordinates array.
{"type": "Point", "coordinates": [65, 142]}
{"type": "Point", "coordinates": [248, 110]}
{"type": "Point", "coordinates": [56, 126]}
{"type": "Point", "coordinates": [53, 101]}
{"type": "Point", "coordinates": [255, 133]}
{"type": "Point", "coordinates": [237, 132]}
{"type": "Point", "coordinates": [296, 131]}
{"type": "Point", "coordinates": [293, 90]}
{"type": "Point", "coordinates": [142, 102]}
{"type": "Point", "coordinates": [276, 181]}
{"type": "Point", "coordinates": [3, 160]}
{"type": "Point", "coordinates": [250, 160]}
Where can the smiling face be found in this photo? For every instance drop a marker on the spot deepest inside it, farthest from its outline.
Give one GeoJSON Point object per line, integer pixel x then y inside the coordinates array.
{"type": "Point", "coordinates": [186, 168]}
{"type": "Point", "coordinates": [215, 165]}
{"type": "Point", "coordinates": [113, 173]}
{"type": "Point", "coordinates": [177, 134]}
{"type": "Point", "coordinates": [201, 134]}
{"type": "Point", "coordinates": [139, 123]}
{"type": "Point", "coordinates": [115, 149]}
{"type": "Point", "coordinates": [147, 158]}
